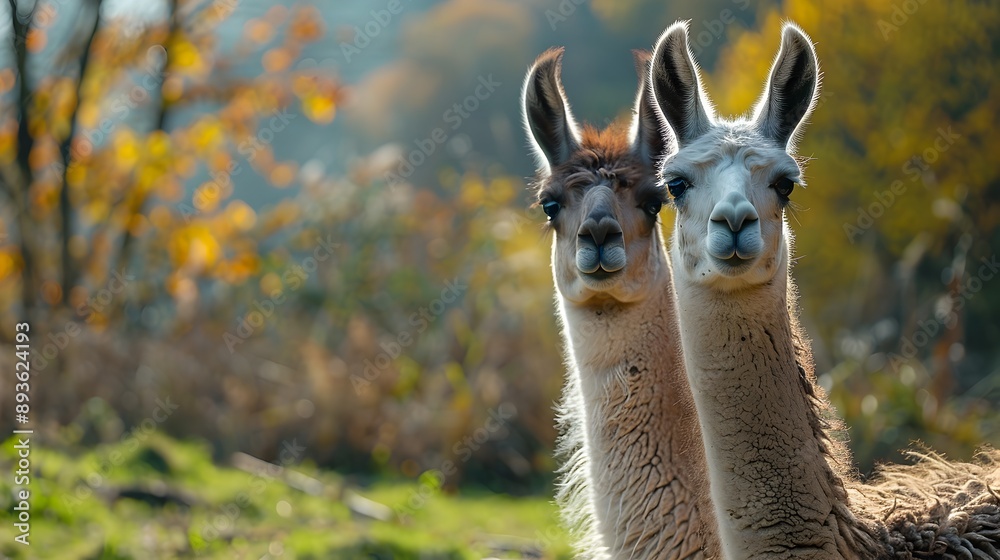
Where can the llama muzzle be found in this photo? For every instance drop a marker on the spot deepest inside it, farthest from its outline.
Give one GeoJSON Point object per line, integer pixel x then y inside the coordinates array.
{"type": "Point", "coordinates": [600, 245]}
{"type": "Point", "coordinates": [734, 230]}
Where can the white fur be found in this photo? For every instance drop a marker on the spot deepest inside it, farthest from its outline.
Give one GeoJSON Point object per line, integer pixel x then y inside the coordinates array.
{"type": "Point", "coordinates": [773, 491]}
{"type": "Point", "coordinates": [780, 479]}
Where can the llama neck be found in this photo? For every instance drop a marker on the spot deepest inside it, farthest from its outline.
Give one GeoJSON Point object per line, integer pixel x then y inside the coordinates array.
{"type": "Point", "coordinates": [640, 459]}
{"type": "Point", "coordinates": [775, 491]}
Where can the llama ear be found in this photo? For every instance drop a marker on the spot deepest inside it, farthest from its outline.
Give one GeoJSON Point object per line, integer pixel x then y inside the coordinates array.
{"type": "Point", "coordinates": [547, 116]}
{"type": "Point", "coordinates": [677, 87]}
{"type": "Point", "coordinates": [791, 89]}
{"type": "Point", "coordinates": [650, 138]}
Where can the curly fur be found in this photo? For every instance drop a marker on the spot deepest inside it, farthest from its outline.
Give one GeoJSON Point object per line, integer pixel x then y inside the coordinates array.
{"type": "Point", "coordinates": [935, 508]}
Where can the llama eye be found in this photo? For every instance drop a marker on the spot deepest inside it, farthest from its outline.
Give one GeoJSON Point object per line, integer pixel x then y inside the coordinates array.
{"type": "Point", "coordinates": [783, 187]}
{"type": "Point", "coordinates": [677, 186]}
{"type": "Point", "coordinates": [653, 207]}
{"type": "Point", "coordinates": [551, 209]}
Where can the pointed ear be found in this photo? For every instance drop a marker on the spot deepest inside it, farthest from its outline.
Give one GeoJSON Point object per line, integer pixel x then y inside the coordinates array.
{"type": "Point", "coordinates": [651, 139]}
{"type": "Point", "coordinates": [547, 117]}
{"type": "Point", "coordinates": [677, 88]}
{"type": "Point", "coordinates": [791, 89]}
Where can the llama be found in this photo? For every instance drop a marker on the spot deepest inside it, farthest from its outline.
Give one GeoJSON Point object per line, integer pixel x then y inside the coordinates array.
{"type": "Point", "coordinates": [632, 483]}
{"type": "Point", "coordinates": [780, 477]}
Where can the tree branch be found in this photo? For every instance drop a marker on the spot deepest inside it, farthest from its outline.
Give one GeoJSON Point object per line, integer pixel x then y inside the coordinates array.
{"type": "Point", "coordinates": [23, 168]}
{"type": "Point", "coordinates": [174, 21]}
{"type": "Point", "coordinates": [69, 269]}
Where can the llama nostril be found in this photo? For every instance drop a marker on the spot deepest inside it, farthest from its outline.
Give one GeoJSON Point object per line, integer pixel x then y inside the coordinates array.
{"type": "Point", "coordinates": [600, 245]}
{"type": "Point", "coordinates": [735, 211]}
{"type": "Point", "coordinates": [600, 230]}
{"type": "Point", "coordinates": [741, 222]}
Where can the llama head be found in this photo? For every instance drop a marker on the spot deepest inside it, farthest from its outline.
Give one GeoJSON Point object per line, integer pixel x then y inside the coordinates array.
{"type": "Point", "coordinates": [730, 181]}
{"type": "Point", "coordinates": [599, 190]}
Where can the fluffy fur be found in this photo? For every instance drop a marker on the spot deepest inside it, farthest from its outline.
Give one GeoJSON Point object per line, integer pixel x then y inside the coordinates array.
{"type": "Point", "coordinates": [632, 479]}
{"type": "Point", "coordinates": [781, 479]}
{"type": "Point", "coordinates": [936, 508]}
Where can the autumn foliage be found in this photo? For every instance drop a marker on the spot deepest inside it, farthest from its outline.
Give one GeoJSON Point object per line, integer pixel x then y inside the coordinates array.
{"type": "Point", "coordinates": [201, 210]}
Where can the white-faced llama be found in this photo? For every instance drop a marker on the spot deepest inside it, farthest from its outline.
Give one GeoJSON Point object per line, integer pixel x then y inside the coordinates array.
{"type": "Point", "coordinates": [781, 480]}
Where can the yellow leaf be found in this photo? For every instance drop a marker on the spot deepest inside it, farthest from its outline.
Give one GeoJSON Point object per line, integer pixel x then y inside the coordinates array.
{"type": "Point", "coordinates": [76, 174]}
{"type": "Point", "coordinates": [319, 108]}
{"type": "Point", "coordinates": [126, 149]}
{"type": "Point", "coordinates": [89, 115]}
{"type": "Point", "coordinates": [241, 216]}
{"type": "Point", "coordinates": [158, 144]}
{"type": "Point", "coordinates": [183, 54]}
{"type": "Point", "coordinates": [194, 247]}
{"type": "Point", "coordinates": [270, 283]}
{"type": "Point", "coordinates": [207, 134]}
{"type": "Point", "coordinates": [7, 267]}
{"type": "Point", "coordinates": [173, 87]}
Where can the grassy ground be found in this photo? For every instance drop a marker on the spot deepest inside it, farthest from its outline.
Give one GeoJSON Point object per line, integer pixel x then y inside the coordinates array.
{"type": "Point", "coordinates": [165, 499]}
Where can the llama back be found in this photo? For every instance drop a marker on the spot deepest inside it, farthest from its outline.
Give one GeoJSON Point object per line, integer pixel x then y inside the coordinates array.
{"type": "Point", "coordinates": [936, 508]}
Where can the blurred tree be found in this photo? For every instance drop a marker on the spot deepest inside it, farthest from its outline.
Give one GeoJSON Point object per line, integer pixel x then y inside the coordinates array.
{"type": "Point", "coordinates": [107, 117]}
{"type": "Point", "coordinates": [130, 149]}
{"type": "Point", "coordinates": [92, 158]}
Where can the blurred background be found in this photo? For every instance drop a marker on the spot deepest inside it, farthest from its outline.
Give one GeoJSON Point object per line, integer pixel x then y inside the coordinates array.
{"type": "Point", "coordinates": [287, 297]}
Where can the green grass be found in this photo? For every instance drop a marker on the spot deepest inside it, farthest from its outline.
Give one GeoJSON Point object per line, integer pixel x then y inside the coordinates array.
{"type": "Point", "coordinates": [160, 498]}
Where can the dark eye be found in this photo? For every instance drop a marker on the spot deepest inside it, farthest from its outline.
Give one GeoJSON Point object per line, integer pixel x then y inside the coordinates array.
{"type": "Point", "coordinates": [551, 209]}
{"type": "Point", "coordinates": [783, 187]}
{"type": "Point", "coordinates": [677, 186]}
{"type": "Point", "coordinates": [653, 207]}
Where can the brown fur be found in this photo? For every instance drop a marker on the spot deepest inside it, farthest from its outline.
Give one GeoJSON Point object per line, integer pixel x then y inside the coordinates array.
{"type": "Point", "coordinates": [604, 154]}
{"type": "Point", "coordinates": [633, 474]}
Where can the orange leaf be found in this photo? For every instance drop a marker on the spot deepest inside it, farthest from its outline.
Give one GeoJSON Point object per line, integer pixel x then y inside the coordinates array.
{"type": "Point", "coordinates": [36, 40]}
{"type": "Point", "coordinates": [308, 24]}
{"type": "Point", "coordinates": [258, 30]}
{"type": "Point", "coordinates": [283, 174]}
{"type": "Point", "coordinates": [277, 59]}
{"type": "Point", "coordinates": [7, 80]}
